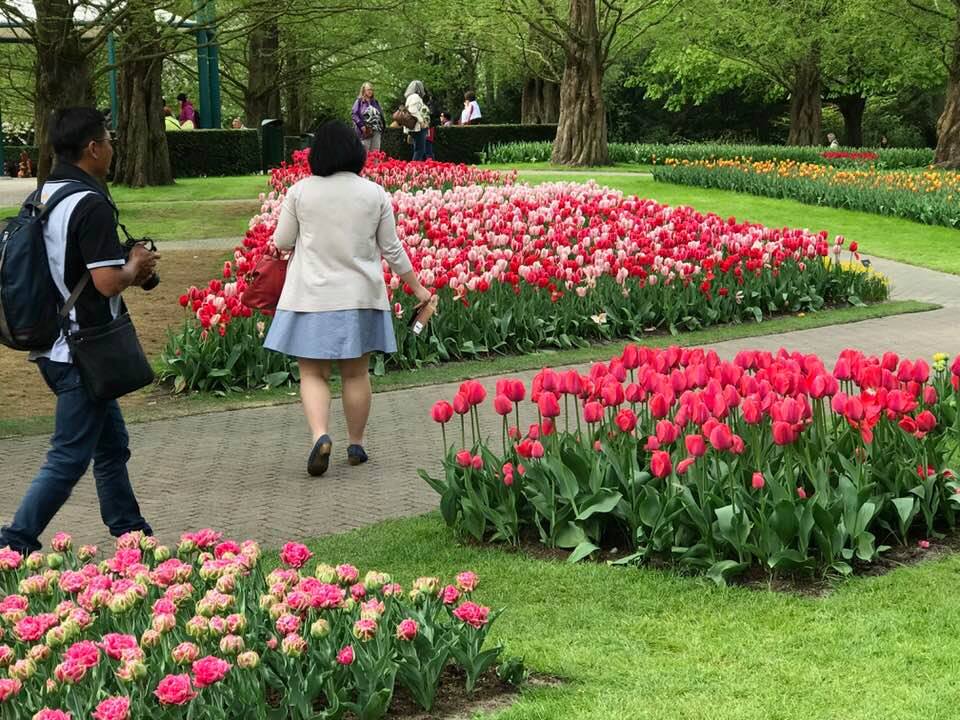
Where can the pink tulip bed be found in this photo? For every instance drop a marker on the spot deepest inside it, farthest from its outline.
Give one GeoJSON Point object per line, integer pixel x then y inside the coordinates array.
{"type": "Point", "coordinates": [773, 460]}
{"type": "Point", "coordinates": [208, 633]}
{"type": "Point", "coordinates": [523, 268]}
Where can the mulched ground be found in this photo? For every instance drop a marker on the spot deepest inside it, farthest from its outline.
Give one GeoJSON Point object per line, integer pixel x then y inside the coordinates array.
{"type": "Point", "coordinates": [23, 392]}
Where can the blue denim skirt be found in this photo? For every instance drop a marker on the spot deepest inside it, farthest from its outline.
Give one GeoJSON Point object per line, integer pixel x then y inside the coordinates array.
{"type": "Point", "coordinates": [333, 335]}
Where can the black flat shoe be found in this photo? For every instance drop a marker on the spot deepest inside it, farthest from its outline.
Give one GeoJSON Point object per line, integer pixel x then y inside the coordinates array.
{"type": "Point", "coordinates": [319, 459]}
{"type": "Point", "coordinates": [356, 455]}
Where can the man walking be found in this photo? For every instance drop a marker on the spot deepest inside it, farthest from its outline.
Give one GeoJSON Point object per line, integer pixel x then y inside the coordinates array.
{"type": "Point", "coordinates": [80, 234]}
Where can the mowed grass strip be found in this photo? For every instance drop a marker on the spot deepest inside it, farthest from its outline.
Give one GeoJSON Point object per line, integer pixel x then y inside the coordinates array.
{"type": "Point", "coordinates": [157, 403]}
{"type": "Point", "coordinates": [652, 645]}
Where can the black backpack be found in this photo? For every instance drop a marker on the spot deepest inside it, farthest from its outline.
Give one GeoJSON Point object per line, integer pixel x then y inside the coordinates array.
{"type": "Point", "coordinates": [29, 299]}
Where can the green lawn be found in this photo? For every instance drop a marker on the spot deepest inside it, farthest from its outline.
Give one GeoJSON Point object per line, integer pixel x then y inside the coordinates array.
{"type": "Point", "coordinates": [245, 187]}
{"type": "Point", "coordinates": [643, 644]}
{"type": "Point", "coordinates": [910, 242]}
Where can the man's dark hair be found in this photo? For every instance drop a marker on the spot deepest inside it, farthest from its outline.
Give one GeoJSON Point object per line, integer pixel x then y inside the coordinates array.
{"type": "Point", "coordinates": [470, 96]}
{"type": "Point", "coordinates": [336, 148]}
{"type": "Point", "coordinates": [182, 97]}
{"type": "Point", "coordinates": [72, 129]}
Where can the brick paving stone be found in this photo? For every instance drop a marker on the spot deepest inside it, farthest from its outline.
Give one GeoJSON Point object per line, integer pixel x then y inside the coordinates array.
{"type": "Point", "coordinates": [244, 471]}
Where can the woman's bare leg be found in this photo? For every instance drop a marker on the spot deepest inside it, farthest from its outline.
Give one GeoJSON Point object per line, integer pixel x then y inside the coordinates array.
{"type": "Point", "coordinates": [355, 374]}
{"type": "Point", "coordinates": [315, 394]}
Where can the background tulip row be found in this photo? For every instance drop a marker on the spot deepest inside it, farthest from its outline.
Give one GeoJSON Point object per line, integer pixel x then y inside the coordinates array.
{"type": "Point", "coordinates": [931, 196]}
{"type": "Point", "coordinates": [205, 633]}
{"type": "Point", "coordinates": [520, 269]}
{"type": "Point", "coordinates": [769, 460]}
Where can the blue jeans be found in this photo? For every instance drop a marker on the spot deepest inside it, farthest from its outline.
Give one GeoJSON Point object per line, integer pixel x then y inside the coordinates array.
{"type": "Point", "coordinates": [86, 429]}
{"type": "Point", "coordinates": [419, 144]}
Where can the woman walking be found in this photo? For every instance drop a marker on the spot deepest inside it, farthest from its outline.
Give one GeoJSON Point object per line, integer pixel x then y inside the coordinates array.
{"type": "Point", "coordinates": [418, 108]}
{"type": "Point", "coordinates": [334, 303]}
{"type": "Point", "coordinates": [368, 118]}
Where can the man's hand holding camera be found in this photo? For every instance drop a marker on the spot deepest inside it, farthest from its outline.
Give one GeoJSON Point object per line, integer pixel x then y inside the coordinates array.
{"type": "Point", "coordinates": [143, 263]}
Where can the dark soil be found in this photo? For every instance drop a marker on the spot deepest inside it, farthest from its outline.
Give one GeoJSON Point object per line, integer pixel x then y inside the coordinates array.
{"type": "Point", "coordinates": [756, 577]}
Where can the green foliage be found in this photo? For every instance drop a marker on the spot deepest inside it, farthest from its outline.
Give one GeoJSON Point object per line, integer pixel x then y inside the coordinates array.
{"type": "Point", "coordinates": [931, 206]}
{"type": "Point", "coordinates": [500, 322]}
{"type": "Point", "coordinates": [198, 153]}
{"type": "Point", "coordinates": [652, 154]}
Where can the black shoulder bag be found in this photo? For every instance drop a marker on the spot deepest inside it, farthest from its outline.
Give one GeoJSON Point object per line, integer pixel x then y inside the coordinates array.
{"type": "Point", "coordinates": [109, 357]}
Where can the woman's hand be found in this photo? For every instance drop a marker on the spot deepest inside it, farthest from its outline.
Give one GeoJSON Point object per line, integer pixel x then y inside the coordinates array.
{"type": "Point", "coordinates": [422, 294]}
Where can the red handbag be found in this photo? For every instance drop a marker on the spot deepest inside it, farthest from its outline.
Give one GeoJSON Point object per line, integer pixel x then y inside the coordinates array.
{"type": "Point", "coordinates": [265, 283]}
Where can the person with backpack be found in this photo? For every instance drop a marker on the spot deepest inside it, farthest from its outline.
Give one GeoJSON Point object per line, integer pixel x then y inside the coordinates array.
{"type": "Point", "coordinates": [67, 275]}
{"type": "Point", "coordinates": [415, 105]}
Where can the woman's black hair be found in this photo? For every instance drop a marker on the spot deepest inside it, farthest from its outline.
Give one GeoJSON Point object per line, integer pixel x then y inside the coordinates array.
{"type": "Point", "coordinates": [72, 129]}
{"type": "Point", "coordinates": [336, 148]}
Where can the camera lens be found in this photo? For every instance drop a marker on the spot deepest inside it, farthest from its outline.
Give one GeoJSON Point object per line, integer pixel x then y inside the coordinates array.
{"type": "Point", "coordinates": [151, 282]}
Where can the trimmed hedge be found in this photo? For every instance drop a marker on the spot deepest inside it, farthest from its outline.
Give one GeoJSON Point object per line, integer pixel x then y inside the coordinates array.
{"type": "Point", "coordinates": [467, 144]}
{"type": "Point", "coordinates": [652, 154]}
{"type": "Point", "coordinates": [197, 153]}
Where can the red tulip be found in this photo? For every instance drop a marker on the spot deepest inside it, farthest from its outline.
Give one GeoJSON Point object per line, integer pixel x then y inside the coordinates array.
{"type": "Point", "coordinates": [721, 437]}
{"type": "Point", "coordinates": [926, 421]}
{"type": "Point", "coordinates": [921, 371]}
{"type": "Point", "coordinates": [536, 450]}
{"type": "Point", "coordinates": [652, 444]}
{"type": "Point", "coordinates": [757, 482]}
{"type": "Point", "coordinates": [461, 404]}
{"type": "Point", "coordinates": [738, 445]}
{"type": "Point", "coordinates": [751, 412]}
{"type": "Point", "coordinates": [525, 448]}
{"type": "Point", "coordinates": [955, 366]}
{"type": "Point", "coordinates": [631, 357]}
{"type": "Point", "coordinates": [634, 393]}
{"type": "Point", "coordinates": [612, 394]}
{"type": "Point", "coordinates": [441, 411]}
{"type": "Point", "coordinates": [854, 246]}
{"type": "Point", "coordinates": [548, 404]}
{"type": "Point", "coordinates": [476, 392]}
{"type": "Point", "coordinates": [515, 390]}
{"type": "Point", "coordinates": [593, 412]}
{"type": "Point", "coordinates": [626, 420]}
{"type": "Point", "coordinates": [572, 383]}
{"type": "Point", "coordinates": [667, 432]}
{"type": "Point", "coordinates": [930, 396]}
{"type": "Point", "coordinates": [801, 493]}
{"type": "Point", "coordinates": [908, 425]}
{"type": "Point", "coordinates": [477, 462]}
{"type": "Point", "coordinates": [659, 407]}
{"type": "Point", "coordinates": [464, 458]}
{"type": "Point", "coordinates": [684, 465]}
{"type": "Point", "coordinates": [660, 464]}
{"type": "Point", "coordinates": [696, 445]}
{"type": "Point", "coordinates": [502, 405]}
{"type": "Point", "coordinates": [784, 433]}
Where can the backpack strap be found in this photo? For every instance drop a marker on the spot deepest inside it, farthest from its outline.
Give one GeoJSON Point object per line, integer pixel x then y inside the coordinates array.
{"type": "Point", "coordinates": [44, 209]}
{"type": "Point", "coordinates": [72, 301]}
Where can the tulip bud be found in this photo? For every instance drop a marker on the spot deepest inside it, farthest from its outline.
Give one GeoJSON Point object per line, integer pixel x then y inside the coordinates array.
{"type": "Point", "coordinates": [248, 660]}
{"type": "Point", "coordinates": [319, 629]}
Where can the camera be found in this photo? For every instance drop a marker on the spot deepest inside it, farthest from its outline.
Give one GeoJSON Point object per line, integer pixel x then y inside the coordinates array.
{"type": "Point", "coordinates": [154, 280]}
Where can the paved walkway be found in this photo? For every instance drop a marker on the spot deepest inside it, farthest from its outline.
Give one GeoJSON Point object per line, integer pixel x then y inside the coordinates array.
{"type": "Point", "coordinates": [243, 471]}
{"type": "Point", "coordinates": [13, 191]}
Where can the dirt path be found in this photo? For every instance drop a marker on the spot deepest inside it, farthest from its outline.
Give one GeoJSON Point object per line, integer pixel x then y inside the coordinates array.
{"type": "Point", "coordinates": [22, 392]}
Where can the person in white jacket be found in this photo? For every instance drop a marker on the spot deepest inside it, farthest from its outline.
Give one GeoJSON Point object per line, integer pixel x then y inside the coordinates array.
{"type": "Point", "coordinates": [418, 108]}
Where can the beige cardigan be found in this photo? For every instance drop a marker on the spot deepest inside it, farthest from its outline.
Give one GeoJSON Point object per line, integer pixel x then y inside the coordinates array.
{"type": "Point", "coordinates": [339, 226]}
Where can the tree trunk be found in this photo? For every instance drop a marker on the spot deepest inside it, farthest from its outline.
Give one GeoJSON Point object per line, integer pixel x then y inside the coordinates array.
{"type": "Point", "coordinates": [582, 128]}
{"type": "Point", "coordinates": [852, 108]}
{"type": "Point", "coordinates": [261, 99]}
{"type": "Point", "coordinates": [947, 154]}
{"type": "Point", "coordinates": [296, 95]}
{"type": "Point", "coordinates": [63, 70]}
{"type": "Point", "coordinates": [540, 102]}
{"type": "Point", "coordinates": [142, 155]}
{"type": "Point", "coordinates": [805, 103]}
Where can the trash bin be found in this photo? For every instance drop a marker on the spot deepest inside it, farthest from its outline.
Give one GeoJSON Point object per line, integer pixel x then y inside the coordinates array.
{"type": "Point", "coordinates": [271, 143]}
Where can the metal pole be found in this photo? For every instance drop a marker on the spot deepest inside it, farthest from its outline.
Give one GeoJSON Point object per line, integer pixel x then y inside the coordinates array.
{"type": "Point", "coordinates": [112, 61]}
{"type": "Point", "coordinates": [216, 121]}
{"type": "Point", "coordinates": [203, 71]}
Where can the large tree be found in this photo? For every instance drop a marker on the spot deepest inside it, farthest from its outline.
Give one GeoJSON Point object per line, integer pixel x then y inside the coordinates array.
{"type": "Point", "coordinates": [934, 25]}
{"type": "Point", "coordinates": [591, 34]}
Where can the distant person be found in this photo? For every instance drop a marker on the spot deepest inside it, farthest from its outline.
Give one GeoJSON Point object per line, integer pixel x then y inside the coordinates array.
{"type": "Point", "coordinates": [418, 108]}
{"type": "Point", "coordinates": [471, 109]}
{"type": "Point", "coordinates": [884, 143]}
{"type": "Point", "coordinates": [431, 138]}
{"type": "Point", "coordinates": [237, 124]}
{"type": "Point", "coordinates": [445, 120]}
{"type": "Point", "coordinates": [187, 111]}
{"type": "Point", "coordinates": [368, 118]}
{"type": "Point", "coordinates": [25, 166]}
{"type": "Point", "coordinates": [832, 140]}
{"type": "Point", "coordinates": [169, 121]}
{"type": "Point", "coordinates": [339, 226]}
